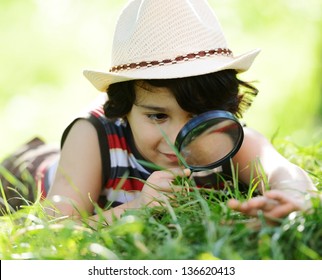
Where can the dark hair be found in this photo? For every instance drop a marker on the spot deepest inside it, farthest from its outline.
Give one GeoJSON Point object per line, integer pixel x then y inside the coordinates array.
{"type": "Point", "coordinates": [197, 94]}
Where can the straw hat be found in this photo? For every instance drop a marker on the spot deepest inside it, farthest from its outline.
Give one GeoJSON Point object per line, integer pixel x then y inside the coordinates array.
{"type": "Point", "coordinates": [167, 39]}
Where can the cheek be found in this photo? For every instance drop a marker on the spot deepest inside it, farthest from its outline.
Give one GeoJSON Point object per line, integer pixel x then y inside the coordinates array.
{"type": "Point", "coordinates": [147, 137]}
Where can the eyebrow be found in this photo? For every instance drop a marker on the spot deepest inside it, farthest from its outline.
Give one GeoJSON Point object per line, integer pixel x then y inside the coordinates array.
{"type": "Point", "coordinates": [153, 108]}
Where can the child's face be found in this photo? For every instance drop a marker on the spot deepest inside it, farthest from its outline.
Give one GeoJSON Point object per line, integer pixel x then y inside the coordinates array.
{"type": "Point", "coordinates": [156, 110]}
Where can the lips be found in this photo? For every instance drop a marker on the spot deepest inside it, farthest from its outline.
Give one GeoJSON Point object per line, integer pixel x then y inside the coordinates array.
{"type": "Point", "coordinates": [171, 157]}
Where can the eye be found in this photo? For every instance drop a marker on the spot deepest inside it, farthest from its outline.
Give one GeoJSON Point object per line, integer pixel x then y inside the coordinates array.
{"type": "Point", "coordinates": [157, 117]}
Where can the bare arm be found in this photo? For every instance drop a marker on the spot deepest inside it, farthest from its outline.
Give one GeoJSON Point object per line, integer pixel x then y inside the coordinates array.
{"type": "Point", "coordinates": [277, 168]}
{"type": "Point", "coordinates": [79, 171]}
{"type": "Point", "coordinates": [288, 183]}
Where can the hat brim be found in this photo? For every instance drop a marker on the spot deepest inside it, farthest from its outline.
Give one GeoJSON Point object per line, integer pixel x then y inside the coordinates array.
{"type": "Point", "coordinates": [102, 80]}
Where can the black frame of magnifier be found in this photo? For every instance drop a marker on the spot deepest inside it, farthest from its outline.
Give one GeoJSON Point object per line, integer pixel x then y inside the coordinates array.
{"type": "Point", "coordinates": [202, 119]}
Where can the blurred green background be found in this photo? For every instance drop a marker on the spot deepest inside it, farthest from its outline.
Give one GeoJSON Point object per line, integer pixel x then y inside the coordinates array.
{"type": "Point", "coordinates": [45, 45]}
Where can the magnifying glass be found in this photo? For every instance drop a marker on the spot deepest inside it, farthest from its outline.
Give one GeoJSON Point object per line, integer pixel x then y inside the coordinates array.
{"type": "Point", "coordinates": [209, 139]}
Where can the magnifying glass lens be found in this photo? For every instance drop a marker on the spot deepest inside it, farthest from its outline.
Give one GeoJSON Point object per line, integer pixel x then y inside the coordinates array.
{"type": "Point", "coordinates": [206, 142]}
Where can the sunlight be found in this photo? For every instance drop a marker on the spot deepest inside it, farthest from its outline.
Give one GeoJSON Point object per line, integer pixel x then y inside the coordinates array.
{"type": "Point", "coordinates": [55, 12]}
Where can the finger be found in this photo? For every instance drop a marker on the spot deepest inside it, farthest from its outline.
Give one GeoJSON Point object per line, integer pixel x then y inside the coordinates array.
{"type": "Point", "coordinates": [285, 198]}
{"type": "Point", "coordinates": [187, 172]}
{"type": "Point", "coordinates": [260, 203]}
{"type": "Point", "coordinates": [252, 206]}
{"type": "Point", "coordinates": [242, 207]}
{"type": "Point", "coordinates": [179, 172]}
{"type": "Point", "coordinates": [233, 204]}
{"type": "Point", "coordinates": [163, 180]}
{"type": "Point", "coordinates": [281, 211]}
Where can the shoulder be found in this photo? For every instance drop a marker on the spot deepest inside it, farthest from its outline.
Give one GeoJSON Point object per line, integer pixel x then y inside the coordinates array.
{"type": "Point", "coordinates": [80, 153]}
{"type": "Point", "coordinates": [82, 136]}
{"type": "Point", "coordinates": [82, 127]}
{"type": "Point", "coordinates": [79, 171]}
{"type": "Point", "coordinates": [257, 148]}
{"type": "Point", "coordinates": [256, 145]}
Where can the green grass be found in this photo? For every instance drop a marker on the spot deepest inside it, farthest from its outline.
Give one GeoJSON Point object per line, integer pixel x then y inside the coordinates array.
{"type": "Point", "coordinates": [196, 224]}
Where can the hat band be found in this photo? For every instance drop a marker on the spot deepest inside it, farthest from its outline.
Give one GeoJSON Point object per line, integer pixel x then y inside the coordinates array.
{"type": "Point", "coordinates": [181, 58]}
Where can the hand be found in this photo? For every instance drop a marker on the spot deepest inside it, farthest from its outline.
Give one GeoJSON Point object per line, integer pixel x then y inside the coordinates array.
{"type": "Point", "coordinates": [274, 205]}
{"type": "Point", "coordinates": [159, 187]}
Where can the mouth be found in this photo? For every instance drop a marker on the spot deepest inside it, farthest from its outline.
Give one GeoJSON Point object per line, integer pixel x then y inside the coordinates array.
{"type": "Point", "coordinates": [172, 157]}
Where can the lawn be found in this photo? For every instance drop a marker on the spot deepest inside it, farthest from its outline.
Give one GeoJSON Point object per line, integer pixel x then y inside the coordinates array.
{"type": "Point", "coordinates": [42, 89]}
{"type": "Point", "coordinates": [197, 224]}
